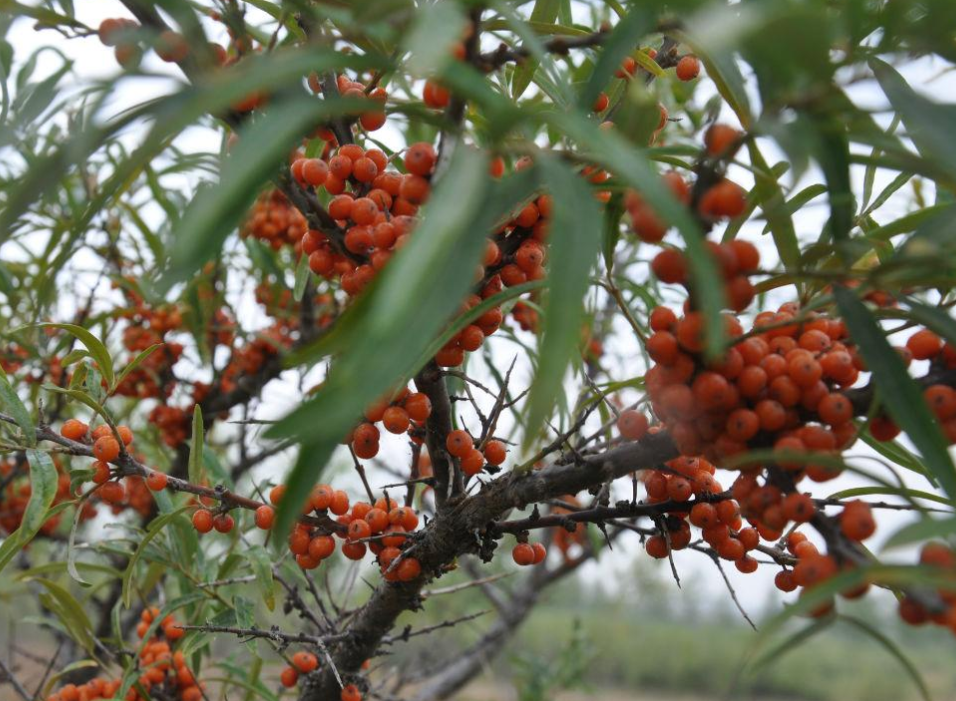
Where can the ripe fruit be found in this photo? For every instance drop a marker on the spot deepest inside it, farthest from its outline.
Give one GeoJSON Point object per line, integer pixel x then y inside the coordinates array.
{"type": "Point", "coordinates": [495, 452]}
{"type": "Point", "coordinates": [202, 521]}
{"type": "Point", "coordinates": [688, 68]}
{"type": "Point", "coordinates": [350, 693]}
{"type": "Point", "coordinates": [305, 662]}
{"type": "Point", "coordinates": [265, 515]}
{"type": "Point", "coordinates": [223, 523]}
{"type": "Point", "coordinates": [856, 521]}
{"type": "Point", "coordinates": [156, 480]}
{"type": "Point", "coordinates": [420, 158]}
{"type": "Point", "coordinates": [459, 443]}
{"type": "Point", "coordinates": [289, 677]}
{"type": "Point", "coordinates": [721, 139]}
{"type": "Point", "coordinates": [632, 424]}
{"type": "Point", "coordinates": [106, 449]}
{"type": "Point", "coordinates": [523, 554]}
{"type": "Point", "coordinates": [74, 430]}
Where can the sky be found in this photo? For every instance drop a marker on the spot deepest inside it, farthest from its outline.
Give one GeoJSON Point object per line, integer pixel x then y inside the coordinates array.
{"type": "Point", "coordinates": [95, 61]}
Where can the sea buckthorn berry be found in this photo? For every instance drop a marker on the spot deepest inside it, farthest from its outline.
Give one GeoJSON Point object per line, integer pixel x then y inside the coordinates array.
{"type": "Point", "coordinates": [340, 503]}
{"type": "Point", "coordinates": [721, 140]}
{"type": "Point", "coordinates": [835, 409]}
{"type": "Point", "coordinates": [156, 480]}
{"type": "Point", "coordinates": [784, 581]}
{"type": "Point", "coordinates": [798, 507]}
{"type": "Point", "coordinates": [420, 158]}
{"type": "Point", "coordinates": [941, 400]}
{"type": "Point", "coordinates": [725, 199]}
{"type": "Point", "coordinates": [315, 171]}
{"type": "Point", "coordinates": [601, 103]}
{"type": "Point", "coordinates": [856, 521]}
{"type": "Point", "coordinates": [359, 530]}
{"type": "Point", "coordinates": [495, 452]}
{"type": "Point", "coordinates": [523, 554]}
{"type": "Point", "coordinates": [113, 492]}
{"type": "Point", "coordinates": [435, 96]}
{"type": "Point", "coordinates": [289, 677]}
{"type": "Point", "coordinates": [305, 662]}
{"type": "Point", "coordinates": [101, 472]}
{"type": "Point", "coordinates": [265, 515]}
{"type": "Point", "coordinates": [662, 319]}
{"type": "Point", "coordinates": [632, 424]}
{"type": "Point", "coordinates": [656, 547]}
{"type": "Point", "coordinates": [459, 443]}
{"type": "Point", "coordinates": [395, 420]}
{"type": "Point", "coordinates": [350, 692]}
{"type": "Point", "coordinates": [408, 569]}
{"type": "Point", "coordinates": [704, 515]}
{"type": "Point", "coordinates": [540, 553]}
{"type": "Point", "coordinates": [106, 449]}
{"type": "Point", "coordinates": [669, 266]}
{"type": "Point", "coordinates": [883, 428]}
{"type": "Point", "coordinates": [322, 546]}
{"type": "Point", "coordinates": [472, 462]}
{"type": "Point", "coordinates": [202, 521]}
{"type": "Point", "coordinates": [275, 494]}
{"type": "Point", "coordinates": [377, 520]}
{"type": "Point", "coordinates": [74, 430]}
{"type": "Point", "coordinates": [223, 523]}
{"type": "Point", "coordinates": [688, 68]}
{"type": "Point", "coordinates": [924, 344]}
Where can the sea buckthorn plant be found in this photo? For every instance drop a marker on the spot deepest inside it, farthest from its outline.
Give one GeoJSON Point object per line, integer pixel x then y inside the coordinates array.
{"type": "Point", "coordinates": [315, 312]}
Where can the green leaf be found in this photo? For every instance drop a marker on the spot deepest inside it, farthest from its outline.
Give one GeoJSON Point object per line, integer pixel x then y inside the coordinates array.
{"type": "Point", "coordinates": [261, 565]}
{"type": "Point", "coordinates": [302, 273]}
{"type": "Point", "coordinates": [155, 528]}
{"type": "Point", "coordinates": [94, 345]}
{"type": "Point", "coordinates": [70, 613]}
{"type": "Point", "coordinates": [832, 150]}
{"type": "Point", "coordinates": [245, 618]}
{"type": "Point", "coordinates": [622, 41]}
{"type": "Point", "coordinates": [573, 247]}
{"type": "Point", "coordinates": [909, 494]}
{"type": "Point", "coordinates": [43, 486]}
{"type": "Point", "coordinates": [545, 12]}
{"type": "Point", "coordinates": [433, 34]}
{"type": "Point", "coordinates": [403, 309]}
{"type": "Point", "coordinates": [790, 643]}
{"type": "Point", "coordinates": [769, 195]}
{"type": "Point", "coordinates": [929, 124]}
{"type": "Point", "coordinates": [894, 650]}
{"type": "Point", "coordinates": [135, 363]}
{"type": "Point", "coordinates": [924, 529]}
{"type": "Point", "coordinates": [632, 166]}
{"type": "Point", "coordinates": [907, 407]}
{"type": "Point", "coordinates": [262, 149]}
{"type": "Point", "coordinates": [10, 401]}
{"type": "Point", "coordinates": [80, 396]}
{"type": "Point", "coordinates": [196, 447]}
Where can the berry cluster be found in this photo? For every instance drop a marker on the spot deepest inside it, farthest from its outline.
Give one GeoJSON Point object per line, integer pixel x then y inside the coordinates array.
{"type": "Point", "coordinates": [16, 494]}
{"type": "Point", "coordinates": [163, 671]}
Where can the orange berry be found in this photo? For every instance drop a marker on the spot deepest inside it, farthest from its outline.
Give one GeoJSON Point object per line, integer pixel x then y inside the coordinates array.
{"type": "Point", "coordinates": [656, 547]}
{"type": "Point", "coordinates": [73, 429]}
{"type": "Point", "coordinates": [459, 443]}
{"type": "Point", "coordinates": [420, 158]}
{"type": "Point", "coordinates": [112, 492]}
{"type": "Point", "coordinates": [856, 521]}
{"type": "Point", "coordinates": [275, 494]}
{"type": "Point", "coordinates": [924, 344]}
{"type": "Point", "coordinates": [305, 662]}
{"type": "Point", "coordinates": [473, 462]}
{"type": "Point", "coordinates": [315, 171]}
{"type": "Point", "coordinates": [350, 693]}
{"type": "Point", "coordinates": [106, 449]}
{"type": "Point", "coordinates": [601, 103]}
{"type": "Point", "coordinates": [540, 553]}
{"type": "Point", "coordinates": [632, 424]}
{"type": "Point", "coordinates": [408, 569]}
{"type": "Point", "coordinates": [719, 140]}
{"type": "Point", "coordinates": [523, 554]}
{"type": "Point", "coordinates": [340, 503]}
{"type": "Point", "coordinates": [322, 546]}
{"type": "Point", "coordinates": [289, 677]}
{"type": "Point", "coordinates": [395, 420]}
{"type": "Point", "coordinates": [202, 521]}
{"type": "Point", "coordinates": [688, 68]}
{"type": "Point", "coordinates": [223, 523]}
{"type": "Point", "coordinates": [495, 452]}
{"type": "Point", "coordinates": [157, 481]}
{"type": "Point", "coordinates": [265, 515]}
